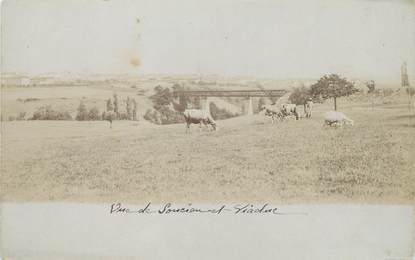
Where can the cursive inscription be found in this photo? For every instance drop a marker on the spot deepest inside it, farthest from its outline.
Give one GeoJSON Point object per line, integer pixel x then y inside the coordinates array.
{"type": "Point", "coordinates": [170, 209]}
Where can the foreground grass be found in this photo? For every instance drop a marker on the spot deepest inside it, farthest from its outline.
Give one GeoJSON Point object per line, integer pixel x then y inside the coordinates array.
{"type": "Point", "coordinates": [248, 159]}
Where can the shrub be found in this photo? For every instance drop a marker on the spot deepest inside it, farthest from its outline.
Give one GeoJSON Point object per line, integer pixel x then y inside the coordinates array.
{"type": "Point", "coordinates": [123, 116]}
{"type": "Point", "coordinates": [27, 99]}
{"type": "Point", "coordinates": [218, 113]}
{"type": "Point", "coordinates": [21, 116]}
{"type": "Point", "coordinates": [168, 116]}
{"type": "Point", "coordinates": [153, 116]}
{"type": "Point", "coordinates": [93, 114]}
{"type": "Point", "coordinates": [387, 92]}
{"type": "Point", "coordinates": [47, 113]}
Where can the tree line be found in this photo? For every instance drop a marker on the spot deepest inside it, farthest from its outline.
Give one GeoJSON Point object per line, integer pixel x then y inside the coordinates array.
{"type": "Point", "coordinates": [112, 111]}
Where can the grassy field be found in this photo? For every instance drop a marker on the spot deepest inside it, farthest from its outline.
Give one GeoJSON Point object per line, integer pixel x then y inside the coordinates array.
{"type": "Point", "coordinates": [19, 99]}
{"type": "Point", "coordinates": [248, 159]}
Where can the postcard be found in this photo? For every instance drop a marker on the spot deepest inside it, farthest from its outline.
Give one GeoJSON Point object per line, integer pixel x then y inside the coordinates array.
{"type": "Point", "coordinates": [190, 129]}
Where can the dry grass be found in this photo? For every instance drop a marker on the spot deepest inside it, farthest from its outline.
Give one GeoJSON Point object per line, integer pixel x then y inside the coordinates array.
{"type": "Point", "coordinates": [248, 159]}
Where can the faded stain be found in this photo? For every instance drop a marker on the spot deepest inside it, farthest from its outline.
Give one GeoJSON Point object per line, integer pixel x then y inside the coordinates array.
{"type": "Point", "coordinates": [135, 61]}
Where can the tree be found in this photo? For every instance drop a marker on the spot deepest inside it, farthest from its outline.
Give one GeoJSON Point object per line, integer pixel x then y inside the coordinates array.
{"type": "Point", "coordinates": [410, 91]}
{"type": "Point", "coordinates": [162, 97]}
{"type": "Point", "coordinates": [82, 114]}
{"type": "Point", "coordinates": [218, 113]}
{"type": "Point", "coordinates": [183, 99]}
{"type": "Point", "coordinates": [116, 111]}
{"type": "Point", "coordinates": [109, 105]}
{"type": "Point", "coordinates": [371, 86]}
{"type": "Point", "coordinates": [332, 86]}
{"type": "Point", "coordinates": [300, 95]}
{"type": "Point", "coordinates": [134, 110]}
{"type": "Point", "coordinates": [261, 102]}
{"type": "Point", "coordinates": [129, 108]}
{"type": "Point", "coordinates": [371, 90]}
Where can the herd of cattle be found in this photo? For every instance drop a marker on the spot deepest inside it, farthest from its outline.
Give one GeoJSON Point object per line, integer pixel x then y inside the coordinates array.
{"type": "Point", "coordinates": [275, 112]}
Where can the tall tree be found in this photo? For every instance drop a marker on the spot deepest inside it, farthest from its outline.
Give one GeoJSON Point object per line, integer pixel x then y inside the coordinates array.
{"type": "Point", "coordinates": [371, 86]}
{"type": "Point", "coordinates": [129, 108]}
{"type": "Point", "coordinates": [116, 111]}
{"type": "Point", "coordinates": [135, 109]}
{"type": "Point", "coordinates": [109, 105]}
{"type": "Point", "coordinates": [82, 114]}
{"type": "Point", "coordinates": [332, 86]}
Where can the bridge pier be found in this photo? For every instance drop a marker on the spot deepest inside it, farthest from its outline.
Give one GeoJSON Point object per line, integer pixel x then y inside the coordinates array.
{"type": "Point", "coordinates": [205, 103]}
{"type": "Point", "coordinates": [249, 111]}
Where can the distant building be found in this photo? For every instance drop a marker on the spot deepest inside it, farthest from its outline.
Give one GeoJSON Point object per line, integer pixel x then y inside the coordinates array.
{"type": "Point", "coordinates": [14, 80]}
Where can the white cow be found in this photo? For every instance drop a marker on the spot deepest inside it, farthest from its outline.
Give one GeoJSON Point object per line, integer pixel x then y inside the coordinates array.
{"type": "Point", "coordinates": [290, 109]}
{"type": "Point", "coordinates": [197, 116]}
{"type": "Point", "coordinates": [335, 118]}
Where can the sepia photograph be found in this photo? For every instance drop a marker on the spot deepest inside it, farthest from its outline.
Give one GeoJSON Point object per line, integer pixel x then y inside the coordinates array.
{"type": "Point", "coordinates": [234, 107]}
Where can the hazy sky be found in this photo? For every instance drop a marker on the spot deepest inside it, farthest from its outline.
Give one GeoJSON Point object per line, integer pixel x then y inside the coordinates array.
{"type": "Point", "coordinates": [265, 38]}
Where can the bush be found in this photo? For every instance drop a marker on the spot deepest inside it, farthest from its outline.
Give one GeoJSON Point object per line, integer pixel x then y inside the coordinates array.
{"type": "Point", "coordinates": [153, 116]}
{"type": "Point", "coordinates": [387, 92]}
{"type": "Point", "coordinates": [21, 116]}
{"type": "Point", "coordinates": [27, 99]}
{"type": "Point", "coordinates": [123, 116]}
{"type": "Point", "coordinates": [94, 114]}
{"type": "Point", "coordinates": [218, 113]}
{"type": "Point", "coordinates": [47, 113]}
{"type": "Point", "coordinates": [164, 116]}
{"type": "Point", "coordinates": [169, 116]}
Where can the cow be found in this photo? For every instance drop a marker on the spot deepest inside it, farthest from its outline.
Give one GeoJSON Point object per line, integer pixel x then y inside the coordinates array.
{"type": "Point", "coordinates": [335, 118]}
{"type": "Point", "coordinates": [197, 116]}
{"type": "Point", "coordinates": [308, 108]}
{"type": "Point", "coordinates": [272, 111]}
{"type": "Point", "coordinates": [290, 109]}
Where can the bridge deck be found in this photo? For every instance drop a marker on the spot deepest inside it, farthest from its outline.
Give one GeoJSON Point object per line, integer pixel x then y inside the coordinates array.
{"type": "Point", "coordinates": [232, 93]}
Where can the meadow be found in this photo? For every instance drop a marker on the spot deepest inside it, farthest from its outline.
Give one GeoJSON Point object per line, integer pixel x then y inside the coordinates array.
{"type": "Point", "coordinates": [248, 159]}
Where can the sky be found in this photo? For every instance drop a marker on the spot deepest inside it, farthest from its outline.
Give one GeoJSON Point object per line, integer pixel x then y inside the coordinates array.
{"type": "Point", "coordinates": [259, 38]}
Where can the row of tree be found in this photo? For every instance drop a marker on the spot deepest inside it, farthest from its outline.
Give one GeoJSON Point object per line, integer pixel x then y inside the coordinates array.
{"type": "Point", "coordinates": [112, 110]}
{"type": "Point", "coordinates": [130, 108]}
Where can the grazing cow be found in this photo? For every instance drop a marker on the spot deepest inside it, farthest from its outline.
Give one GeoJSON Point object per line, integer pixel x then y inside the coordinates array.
{"type": "Point", "coordinates": [335, 118]}
{"type": "Point", "coordinates": [308, 108]}
{"type": "Point", "coordinates": [197, 116]}
{"type": "Point", "coordinates": [273, 111]}
{"type": "Point", "coordinates": [290, 109]}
